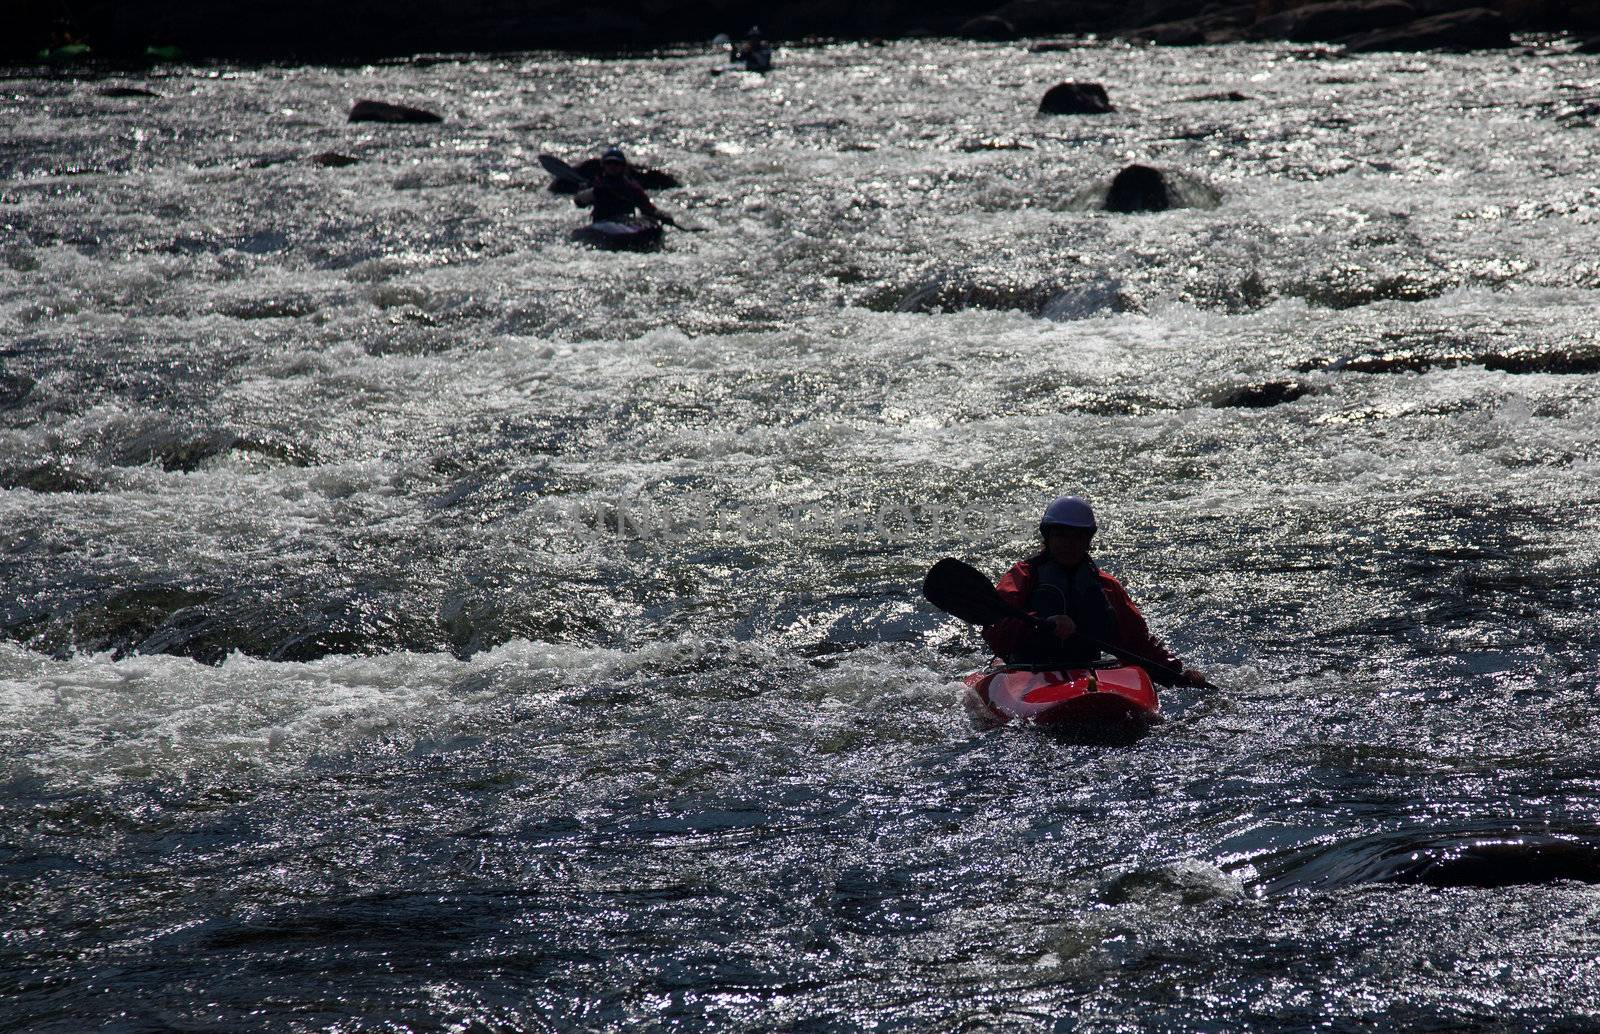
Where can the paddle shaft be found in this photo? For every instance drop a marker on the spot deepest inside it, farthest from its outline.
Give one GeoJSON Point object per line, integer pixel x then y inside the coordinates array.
{"type": "Point", "coordinates": [960, 589]}
{"type": "Point", "coordinates": [1044, 625]}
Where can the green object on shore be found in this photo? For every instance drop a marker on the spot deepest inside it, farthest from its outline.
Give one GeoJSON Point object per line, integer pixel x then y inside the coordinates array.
{"type": "Point", "coordinates": [66, 52]}
{"type": "Point", "coordinates": [164, 53]}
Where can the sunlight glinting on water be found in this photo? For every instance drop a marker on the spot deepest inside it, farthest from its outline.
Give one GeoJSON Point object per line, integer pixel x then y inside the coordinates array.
{"type": "Point", "coordinates": [413, 615]}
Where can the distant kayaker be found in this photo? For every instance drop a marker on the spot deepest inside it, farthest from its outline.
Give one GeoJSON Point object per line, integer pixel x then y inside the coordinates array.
{"type": "Point", "coordinates": [1063, 585]}
{"type": "Point", "coordinates": [615, 195]}
{"type": "Point", "coordinates": [754, 51]}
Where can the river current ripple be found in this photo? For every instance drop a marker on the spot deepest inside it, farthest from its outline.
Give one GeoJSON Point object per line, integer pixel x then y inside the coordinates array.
{"type": "Point", "coordinates": [413, 621]}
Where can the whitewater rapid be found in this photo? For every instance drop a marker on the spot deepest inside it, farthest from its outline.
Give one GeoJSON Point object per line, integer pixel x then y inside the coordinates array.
{"type": "Point", "coordinates": [413, 620]}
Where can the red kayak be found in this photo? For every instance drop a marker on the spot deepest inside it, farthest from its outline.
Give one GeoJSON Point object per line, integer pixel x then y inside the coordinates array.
{"type": "Point", "coordinates": [617, 235]}
{"type": "Point", "coordinates": [1120, 695]}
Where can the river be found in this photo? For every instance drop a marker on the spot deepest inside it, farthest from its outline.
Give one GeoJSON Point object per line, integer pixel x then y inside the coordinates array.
{"type": "Point", "coordinates": [415, 621]}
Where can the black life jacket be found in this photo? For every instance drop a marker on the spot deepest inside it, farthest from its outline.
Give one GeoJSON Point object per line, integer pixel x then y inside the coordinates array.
{"type": "Point", "coordinates": [1080, 596]}
{"type": "Point", "coordinates": [615, 199]}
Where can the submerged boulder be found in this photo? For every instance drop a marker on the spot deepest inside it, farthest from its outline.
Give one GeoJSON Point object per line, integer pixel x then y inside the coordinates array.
{"type": "Point", "coordinates": [1076, 99]}
{"type": "Point", "coordinates": [1477, 28]}
{"type": "Point", "coordinates": [1143, 188]}
{"type": "Point", "coordinates": [1139, 188]}
{"type": "Point", "coordinates": [383, 111]}
{"type": "Point", "coordinates": [14, 388]}
{"type": "Point", "coordinates": [1261, 395]}
{"type": "Point", "coordinates": [126, 91]}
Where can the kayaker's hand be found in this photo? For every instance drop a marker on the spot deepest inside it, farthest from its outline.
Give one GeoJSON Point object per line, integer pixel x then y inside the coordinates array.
{"type": "Point", "coordinates": [1195, 677]}
{"type": "Point", "coordinates": [1063, 626]}
{"type": "Point", "coordinates": [584, 198]}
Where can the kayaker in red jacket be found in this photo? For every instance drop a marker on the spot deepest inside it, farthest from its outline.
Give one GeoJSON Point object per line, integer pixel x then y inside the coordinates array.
{"type": "Point", "coordinates": [615, 195]}
{"type": "Point", "coordinates": [1061, 584]}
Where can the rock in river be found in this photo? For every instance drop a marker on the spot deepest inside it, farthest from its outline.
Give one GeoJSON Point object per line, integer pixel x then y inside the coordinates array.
{"type": "Point", "coordinates": [383, 111]}
{"type": "Point", "coordinates": [1076, 99]}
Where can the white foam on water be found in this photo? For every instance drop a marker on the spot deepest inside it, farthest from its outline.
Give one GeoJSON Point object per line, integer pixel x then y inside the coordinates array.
{"type": "Point", "coordinates": [92, 719]}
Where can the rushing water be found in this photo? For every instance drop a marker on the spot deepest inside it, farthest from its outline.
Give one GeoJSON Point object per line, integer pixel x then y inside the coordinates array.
{"type": "Point", "coordinates": [414, 621]}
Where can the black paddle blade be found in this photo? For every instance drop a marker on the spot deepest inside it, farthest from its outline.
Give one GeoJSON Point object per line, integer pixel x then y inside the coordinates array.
{"type": "Point", "coordinates": [961, 590]}
{"type": "Point", "coordinates": [561, 170]}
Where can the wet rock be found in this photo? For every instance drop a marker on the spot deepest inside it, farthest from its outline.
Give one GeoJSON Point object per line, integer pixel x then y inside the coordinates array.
{"type": "Point", "coordinates": [383, 111]}
{"type": "Point", "coordinates": [995, 143]}
{"type": "Point", "coordinates": [118, 620]}
{"type": "Point", "coordinates": [123, 622]}
{"type": "Point", "coordinates": [987, 27]}
{"type": "Point", "coordinates": [14, 388]}
{"type": "Point", "coordinates": [952, 292]}
{"type": "Point", "coordinates": [1138, 188]}
{"type": "Point", "coordinates": [1476, 29]}
{"type": "Point", "coordinates": [1143, 188]}
{"type": "Point", "coordinates": [1262, 395]}
{"type": "Point", "coordinates": [208, 626]}
{"type": "Point", "coordinates": [1333, 21]}
{"type": "Point", "coordinates": [1187, 882]}
{"type": "Point", "coordinates": [1227, 290]}
{"type": "Point", "coordinates": [1402, 360]}
{"type": "Point", "coordinates": [1100, 297]}
{"type": "Point", "coordinates": [1232, 97]}
{"type": "Point", "coordinates": [1534, 361]}
{"type": "Point", "coordinates": [1500, 863]}
{"type": "Point", "coordinates": [998, 290]}
{"type": "Point", "coordinates": [49, 478]}
{"type": "Point", "coordinates": [1348, 287]}
{"type": "Point", "coordinates": [268, 308]}
{"type": "Point", "coordinates": [173, 450]}
{"type": "Point", "coordinates": [126, 91]}
{"type": "Point", "coordinates": [332, 160]}
{"type": "Point", "coordinates": [589, 168]}
{"type": "Point", "coordinates": [1076, 99]}
{"type": "Point", "coordinates": [20, 259]}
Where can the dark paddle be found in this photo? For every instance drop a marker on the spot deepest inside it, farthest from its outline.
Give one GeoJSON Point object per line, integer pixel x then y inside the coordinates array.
{"type": "Point", "coordinates": [961, 590]}
{"type": "Point", "coordinates": [567, 174]}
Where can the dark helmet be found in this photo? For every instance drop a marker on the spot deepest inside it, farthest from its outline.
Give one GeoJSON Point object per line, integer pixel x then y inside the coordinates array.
{"type": "Point", "coordinates": [614, 154]}
{"type": "Point", "coordinates": [1069, 511]}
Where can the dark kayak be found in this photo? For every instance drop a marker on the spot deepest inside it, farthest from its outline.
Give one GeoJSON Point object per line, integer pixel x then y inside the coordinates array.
{"type": "Point", "coordinates": [633, 235]}
{"type": "Point", "coordinates": [1112, 695]}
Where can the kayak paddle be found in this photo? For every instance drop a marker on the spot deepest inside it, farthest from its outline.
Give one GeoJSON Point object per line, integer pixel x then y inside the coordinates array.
{"type": "Point", "coordinates": [562, 171]}
{"type": "Point", "coordinates": [961, 590]}
{"type": "Point", "coordinates": [567, 174]}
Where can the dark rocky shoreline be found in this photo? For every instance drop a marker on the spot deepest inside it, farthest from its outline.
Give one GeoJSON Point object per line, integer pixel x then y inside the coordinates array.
{"type": "Point", "coordinates": [131, 30]}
